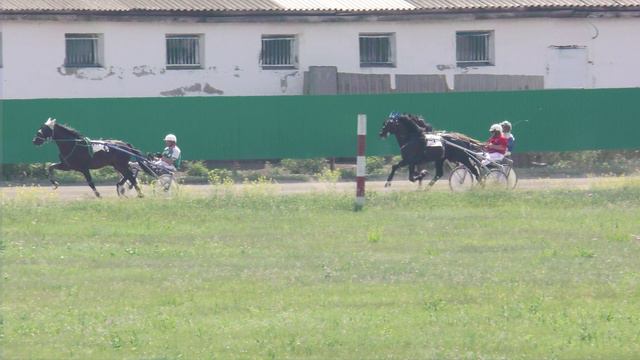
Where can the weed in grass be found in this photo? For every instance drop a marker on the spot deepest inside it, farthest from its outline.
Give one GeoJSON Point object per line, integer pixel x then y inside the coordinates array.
{"type": "Point", "coordinates": [329, 176]}
{"type": "Point", "coordinates": [585, 253]}
{"type": "Point", "coordinates": [374, 235]}
{"type": "Point", "coordinates": [434, 305]}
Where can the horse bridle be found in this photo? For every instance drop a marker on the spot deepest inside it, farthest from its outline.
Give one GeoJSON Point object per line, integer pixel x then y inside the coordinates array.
{"type": "Point", "coordinates": [40, 135]}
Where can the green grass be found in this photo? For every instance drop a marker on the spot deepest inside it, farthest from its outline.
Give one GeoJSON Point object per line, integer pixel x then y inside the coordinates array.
{"type": "Point", "coordinates": [415, 275]}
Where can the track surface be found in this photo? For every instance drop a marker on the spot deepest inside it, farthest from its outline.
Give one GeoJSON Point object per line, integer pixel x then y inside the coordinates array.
{"type": "Point", "coordinates": [79, 192]}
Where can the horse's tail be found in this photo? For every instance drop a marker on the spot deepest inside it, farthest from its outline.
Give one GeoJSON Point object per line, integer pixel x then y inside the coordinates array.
{"type": "Point", "coordinates": [464, 140]}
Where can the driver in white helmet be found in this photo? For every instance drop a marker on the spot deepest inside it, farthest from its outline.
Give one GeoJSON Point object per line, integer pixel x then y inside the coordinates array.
{"type": "Point", "coordinates": [171, 156]}
{"type": "Point", "coordinates": [506, 132]}
{"type": "Point", "coordinates": [496, 145]}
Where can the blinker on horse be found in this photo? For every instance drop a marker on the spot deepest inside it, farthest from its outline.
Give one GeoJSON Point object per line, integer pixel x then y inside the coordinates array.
{"type": "Point", "coordinates": [81, 154]}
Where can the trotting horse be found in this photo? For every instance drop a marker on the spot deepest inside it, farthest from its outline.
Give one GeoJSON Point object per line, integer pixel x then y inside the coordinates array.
{"type": "Point", "coordinates": [81, 154]}
{"type": "Point", "coordinates": [415, 150]}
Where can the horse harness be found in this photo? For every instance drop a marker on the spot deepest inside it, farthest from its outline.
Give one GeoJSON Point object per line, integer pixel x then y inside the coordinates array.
{"type": "Point", "coordinates": [430, 138]}
{"type": "Point", "coordinates": [84, 142]}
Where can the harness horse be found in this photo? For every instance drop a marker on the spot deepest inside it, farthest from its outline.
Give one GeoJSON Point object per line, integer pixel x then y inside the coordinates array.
{"type": "Point", "coordinates": [418, 147]}
{"type": "Point", "coordinates": [83, 154]}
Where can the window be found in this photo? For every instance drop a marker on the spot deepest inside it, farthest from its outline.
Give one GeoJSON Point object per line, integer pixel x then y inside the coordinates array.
{"type": "Point", "coordinates": [377, 50]}
{"type": "Point", "coordinates": [83, 50]}
{"type": "Point", "coordinates": [474, 48]}
{"type": "Point", "coordinates": [184, 51]}
{"type": "Point", "coordinates": [278, 52]}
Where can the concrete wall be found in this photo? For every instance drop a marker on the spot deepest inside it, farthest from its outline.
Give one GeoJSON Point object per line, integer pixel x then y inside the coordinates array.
{"type": "Point", "coordinates": [34, 51]}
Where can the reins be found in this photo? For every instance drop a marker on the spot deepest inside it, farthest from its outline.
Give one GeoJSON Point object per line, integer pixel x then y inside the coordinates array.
{"type": "Point", "coordinates": [82, 142]}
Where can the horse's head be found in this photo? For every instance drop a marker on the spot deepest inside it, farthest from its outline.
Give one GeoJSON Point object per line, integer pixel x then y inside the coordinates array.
{"type": "Point", "coordinates": [390, 125]}
{"type": "Point", "coordinates": [45, 132]}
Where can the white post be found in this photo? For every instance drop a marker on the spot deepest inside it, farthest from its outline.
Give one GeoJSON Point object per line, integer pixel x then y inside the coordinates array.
{"type": "Point", "coordinates": [361, 161]}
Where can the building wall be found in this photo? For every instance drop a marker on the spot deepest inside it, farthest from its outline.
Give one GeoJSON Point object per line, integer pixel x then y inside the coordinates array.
{"type": "Point", "coordinates": [34, 51]}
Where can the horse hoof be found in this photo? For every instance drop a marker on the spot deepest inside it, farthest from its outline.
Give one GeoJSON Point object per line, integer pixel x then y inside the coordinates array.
{"type": "Point", "coordinates": [140, 195]}
{"type": "Point", "coordinates": [387, 184]}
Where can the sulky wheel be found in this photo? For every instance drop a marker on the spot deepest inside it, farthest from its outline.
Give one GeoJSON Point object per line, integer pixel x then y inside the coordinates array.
{"type": "Point", "coordinates": [496, 179]}
{"type": "Point", "coordinates": [461, 179]}
{"type": "Point", "coordinates": [165, 185]}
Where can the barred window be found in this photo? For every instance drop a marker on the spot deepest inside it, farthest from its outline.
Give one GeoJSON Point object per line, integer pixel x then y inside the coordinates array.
{"type": "Point", "coordinates": [278, 52]}
{"type": "Point", "coordinates": [184, 51]}
{"type": "Point", "coordinates": [377, 50]}
{"type": "Point", "coordinates": [83, 50]}
{"type": "Point", "coordinates": [474, 48]}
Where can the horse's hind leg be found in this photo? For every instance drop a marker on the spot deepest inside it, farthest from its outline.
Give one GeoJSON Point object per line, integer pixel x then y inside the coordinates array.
{"type": "Point", "coordinates": [87, 176]}
{"type": "Point", "coordinates": [127, 175]}
{"type": "Point", "coordinates": [474, 170]}
{"type": "Point", "coordinates": [420, 175]}
{"type": "Point", "coordinates": [439, 172]}
{"type": "Point", "coordinates": [59, 166]}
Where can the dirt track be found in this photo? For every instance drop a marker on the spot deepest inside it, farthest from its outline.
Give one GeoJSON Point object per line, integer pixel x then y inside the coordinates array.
{"type": "Point", "coordinates": [79, 192]}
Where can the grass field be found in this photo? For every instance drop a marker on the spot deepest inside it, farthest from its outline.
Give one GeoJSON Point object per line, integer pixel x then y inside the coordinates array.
{"type": "Point", "coordinates": [415, 275]}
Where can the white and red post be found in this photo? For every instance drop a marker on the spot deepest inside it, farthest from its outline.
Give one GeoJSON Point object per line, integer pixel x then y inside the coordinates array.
{"type": "Point", "coordinates": [361, 161]}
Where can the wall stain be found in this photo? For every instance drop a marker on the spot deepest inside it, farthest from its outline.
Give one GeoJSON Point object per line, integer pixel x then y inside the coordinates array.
{"type": "Point", "coordinates": [143, 70]}
{"type": "Point", "coordinates": [195, 89]}
{"type": "Point", "coordinates": [90, 73]}
{"type": "Point", "coordinates": [284, 83]}
{"type": "Point", "coordinates": [211, 90]}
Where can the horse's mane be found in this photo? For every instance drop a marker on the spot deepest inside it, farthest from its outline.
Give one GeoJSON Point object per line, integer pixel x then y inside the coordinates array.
{"type": "Point", "coordinates": [77, 134]}
{"type": "Point", "coordinates": [71, 130]}
{"type": "Point", "coordinates": [410, 123]}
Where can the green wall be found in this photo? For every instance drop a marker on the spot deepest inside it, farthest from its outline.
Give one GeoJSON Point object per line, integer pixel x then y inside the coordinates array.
{"type": "Point", "coordinates": [324, 126]}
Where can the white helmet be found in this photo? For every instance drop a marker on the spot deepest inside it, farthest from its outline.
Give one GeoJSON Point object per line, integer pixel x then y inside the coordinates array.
{"type": "Point", "coordinates": [495, 127]}
{"type": "Point", "coordinates": [506, 123]}
{"type": "Point", "coordinates": [171, 137]}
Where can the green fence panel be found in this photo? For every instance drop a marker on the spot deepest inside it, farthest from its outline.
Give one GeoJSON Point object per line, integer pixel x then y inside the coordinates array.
{"type": "Point", "coordinates": [226, 128]}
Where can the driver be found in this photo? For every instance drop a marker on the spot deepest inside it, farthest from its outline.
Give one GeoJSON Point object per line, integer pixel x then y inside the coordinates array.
{"type": "Point", "coordinates": [496, 145]}
{"type": "Point", "coordinates": [506, 132]}
{"type": "Point", "coordinates": [171, 156]}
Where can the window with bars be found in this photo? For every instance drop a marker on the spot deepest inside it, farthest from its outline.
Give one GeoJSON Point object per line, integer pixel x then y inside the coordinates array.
{"type": "Point", "coordinates": [474, 48]}
{"type": "Point", "coordinates": [83, 50]}
{"type": "Point", "coordinates": [184, 51]}
{"type": "Point", "coordinates": [377, 50]}
{"type": "Point", "coordinates": [278, 52]}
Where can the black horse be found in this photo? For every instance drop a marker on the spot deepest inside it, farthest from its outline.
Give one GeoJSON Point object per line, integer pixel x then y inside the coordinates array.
{"type": "Point", "coordinates": [80, 154]}
{"type": "Point", "coordinates": [411, 136]}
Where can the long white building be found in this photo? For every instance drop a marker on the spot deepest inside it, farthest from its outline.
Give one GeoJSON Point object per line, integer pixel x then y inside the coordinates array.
{"type": "Point", "coordinates": [145, 48]}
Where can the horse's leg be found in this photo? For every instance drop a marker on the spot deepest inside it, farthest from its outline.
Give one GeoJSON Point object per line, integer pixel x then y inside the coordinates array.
{"type": "Point", "coordinates": [87, 176]}
{"type": "Point", "coordinates": [439, 171]}
{"type": "Point", "coordinates": [412, 173]}
{"type": "Point", "coordinates": [422, 175]}
{"type": "Point", "coordinates": [393, 171]}
{"type": "Point", "coordinates": [59, 166]}
{"type": "Point", "coordinates": [474, 170]}
{"type": "Point", "coordinates": [127, 175]}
